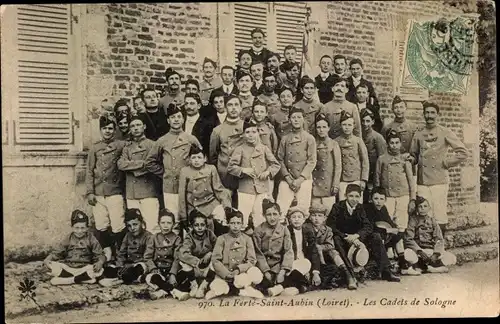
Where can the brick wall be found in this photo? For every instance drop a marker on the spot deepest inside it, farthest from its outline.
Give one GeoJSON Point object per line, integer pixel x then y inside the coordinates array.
{"type": "Point", "coordinates": [363, 29]}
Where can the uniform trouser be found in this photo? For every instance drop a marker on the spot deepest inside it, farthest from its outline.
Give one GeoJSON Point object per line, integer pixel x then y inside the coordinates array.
{"type": "Point", "coordinates": [149, 208]}
{"type": "Point", "coordinates": [423, 264]}
{"type": "Point", "coordinates": [294, 279]}
{"type": "Point", "coordinates": [241, 281]}
{"type": "Point", "coordinates": [343, 187]}
{"type": "Point", "coordinates": [328, 202]}
{"type": "Point", "coordinates": [172, 204]}
{"type": "Point", "coordinates": [250, 203]}
{"type": "Point", "coordinates": [109, 211]}
{"type": "Point", "coordinates": [437, 195]}
{"type": "Point", "coordinates": [60, 269]}
{"type": "Point", "coordinates": [188, 273]}
{"type": "Point", "coordinates": [159, 280]}
{"type": "Point", "coordinates": [286, 195]}
{"type": "Point", "coordinates": [398, 210]}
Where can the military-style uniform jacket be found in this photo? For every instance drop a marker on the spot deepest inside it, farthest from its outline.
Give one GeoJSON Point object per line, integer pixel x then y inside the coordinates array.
{"type": "Point", "coordinates": [233, 252]}
{"type": "Point", "coordinates": [103, 177]}
{"type": "Point", "coordinates": [246, 105]}
{"type": "Point", "coordinates": [201, 189]}
{"type": "Point", "coordinates": [268, 136]}
{"type": "Point", "coordinates": [168, 156]}
{"type": "Point", "coordinates": [132, 248]}
{"type": "Point", "coordinates": [194, 248]}
{"type": "Point", "coordinates": [281, 122]}
{"type": "Point", "coordinates": [309, 248]}
{"type": "Point", "coordinates": [297, 155]}
{"type": "Point", "coordinates": [177, 99]}
{"type": "Point", "coordinates": [343, 223]}
{"type": "Point", "coordinates": [423, 232]}
{"type": "Point", "coordinates": [139, 182]}
{"type": "Point", "coordinates": [160, 252]}
{"type": "Point", "coordinates": [405, 129]}
{"type": "Point", "coordinates": [273, 247]}
{"type": "Point", "coordinates": [375, 108]}
{"type": "Point", "coordinates": [355, 163]}
{"type": "Point", "coordinates": [429, 147]}
{"type": "Point", "coordinates": [272, 102]}
{"type": "Point", "coordinates": [333, 110]}
{"type": "Point", "coordinates": [394, 174]}
{"type": "Point", "coordinates": [326, 174]}
{"type": "Point", "coordinates": [78, 252]}
{"type": "Point", "coordinates": [207, 86]}
{"type": "Point", "coordinates": [375, 146]}
{"type": "Point", "coordinates": [224, 139]}
{"type": "Point", "coordinates": [311, 108]}
{"type": "Point", "coordinates": [260, 159]}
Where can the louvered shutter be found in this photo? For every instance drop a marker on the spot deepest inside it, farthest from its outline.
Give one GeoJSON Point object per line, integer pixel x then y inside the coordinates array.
{"type": "Point", "coordinates": [290, 19]}
{"type": "Point", "coordinates": [43, 114]}
{"type": "Point", "coordinates": [247, 16]}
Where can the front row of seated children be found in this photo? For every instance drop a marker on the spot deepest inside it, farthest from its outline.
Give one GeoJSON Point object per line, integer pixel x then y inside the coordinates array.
{"type": "Point", "coordinates": [276, 260]}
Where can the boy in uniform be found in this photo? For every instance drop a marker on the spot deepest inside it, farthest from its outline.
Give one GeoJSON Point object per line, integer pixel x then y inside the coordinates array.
{"type": "Point", "coordinates": [174, 93]}
{"type": "Point", "coordinates": [297, 156]}
{"type": "Point", "coordinates": [245, 83]}
{"type": "Point", "coordinates": [267, 134]}
{"type": "Point", "coordinates": [291, 70]}
{"type": "Point", "coordinates": [280, 118]}
{"type": "Point", "coordinates": [169, 155]}
{"type": "Point", "coordinates": [140, 184]}
{"type": "Point", "coordinates": [355, 163]}
{"type": "Point", "coordinates": [105, 185]}
{"type": "Point", "coordinates": [394, 174]}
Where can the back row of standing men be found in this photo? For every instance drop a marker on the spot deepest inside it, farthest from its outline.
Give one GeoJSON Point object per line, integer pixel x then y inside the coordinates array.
{"type": "Point", "coordinates": [267, 134]}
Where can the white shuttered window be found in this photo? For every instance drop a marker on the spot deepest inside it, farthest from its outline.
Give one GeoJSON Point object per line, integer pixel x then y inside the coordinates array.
{"type": "Point", "coordinates": [283, 23]}
{"type": "Point", "coordinates": [41, 111]}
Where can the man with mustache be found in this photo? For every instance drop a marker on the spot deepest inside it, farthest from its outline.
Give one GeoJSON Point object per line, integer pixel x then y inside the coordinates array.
{"type": "Point", "coordinates": [174, 94]}
{"type": "Point", "coordinates": [429, 150]}
{"type": "Point", "coordinates": [335, 107]}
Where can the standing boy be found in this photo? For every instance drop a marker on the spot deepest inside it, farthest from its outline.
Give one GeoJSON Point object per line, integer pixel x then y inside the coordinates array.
{"type": "Point", "coordinates": [297, 156]}
{"type": "Point", "coordinates": [245, 83]}
{"type": "Point", "coordinates": [197, 124]}
{"type": "Point", "coordinates": [257, 72]}
{"type": "Point", "coordinates": [255, 165]}
{"type": "Point", "coordinates": [355, 163]}
{"type": "Point", "coordinates": [210, 80]}
{"type": "Point", "coordinates": [268, 96]}
{"type": "Point", "coordinates": [357, 78]}
{"type": "Point", "coordinates": [105, 185]}
{"type": "Point", "coordinates": [140, 184]}
{"type": "Point", "coordinates": [429, 150]}
{"type": "Point", "coordinates": [174, 93]}
{"type": "Point", "coordinates": [324, 80]}
{"type": "Point", "coordinates": [363, 101]}
{"type": "Point", "coordinates": [267, 134]}
{"type": "Point", "coordinates": [394, 174]}
{"type": "Point", "coordinates": [290, 54]}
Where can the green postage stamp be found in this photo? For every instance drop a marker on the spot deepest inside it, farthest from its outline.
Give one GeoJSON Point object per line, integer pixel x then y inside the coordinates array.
{"type": "Point", "coordinates": [439, 54]}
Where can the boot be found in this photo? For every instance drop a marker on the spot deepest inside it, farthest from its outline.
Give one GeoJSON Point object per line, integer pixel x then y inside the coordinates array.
{"type": "Point", "coordinates": [352, 284]}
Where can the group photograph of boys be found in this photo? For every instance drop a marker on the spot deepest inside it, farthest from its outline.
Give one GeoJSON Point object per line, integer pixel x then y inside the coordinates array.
{"type": "Point", "coordinates": [261, 181]}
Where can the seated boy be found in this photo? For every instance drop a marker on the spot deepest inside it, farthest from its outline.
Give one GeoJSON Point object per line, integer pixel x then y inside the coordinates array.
{"type": "Point", "coordinates": [80, 258]}
{"type": "Point", "coordinates": [329, 256]}
{"type": "Point", "coordinates": [194, 257]}
{"type": "Point", "coordinates": [273, 248]}
{"type": "Point", "coordinates": [377, 213]}
{"type": "Point", "coordinates": [304, 247]}
{"type": "Point", "coordinates": [423, 236]}
{"type": "Point", "coordinates": [234, 260]}
{"type": "Point", "coordinates": [160, 257]}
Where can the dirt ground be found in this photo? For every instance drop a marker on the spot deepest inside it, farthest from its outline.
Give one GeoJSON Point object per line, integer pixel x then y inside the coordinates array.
{"type": "Point", "coordinates": [471, 290]}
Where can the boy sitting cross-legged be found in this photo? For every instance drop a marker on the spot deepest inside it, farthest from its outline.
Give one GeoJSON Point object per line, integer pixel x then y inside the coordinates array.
{"type": "Point", "coordinates": [80, 258]}
{"type": "Point", "coordinates": [234, 260]}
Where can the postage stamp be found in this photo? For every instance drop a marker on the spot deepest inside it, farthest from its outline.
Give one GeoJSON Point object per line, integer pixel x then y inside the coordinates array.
{"type": "Point", "coordinates": [439, 54]}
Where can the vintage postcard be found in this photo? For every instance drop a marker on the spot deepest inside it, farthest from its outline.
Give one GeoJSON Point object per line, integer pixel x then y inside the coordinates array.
{"type": "Point", "coordinates": [249, 161]}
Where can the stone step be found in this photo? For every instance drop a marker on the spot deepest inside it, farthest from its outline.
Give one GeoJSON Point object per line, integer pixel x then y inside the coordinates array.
{"type": "Point", "coordinates": [472, 236]}
{"type": "Point", "coordinates": [471, 220]}
{"type": "Point", "coordinates": [482, 252]}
